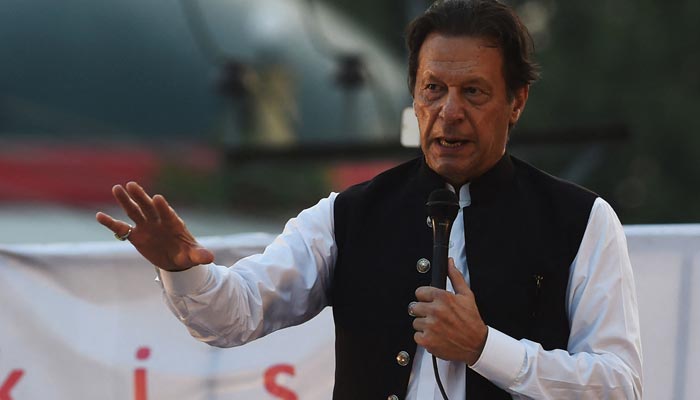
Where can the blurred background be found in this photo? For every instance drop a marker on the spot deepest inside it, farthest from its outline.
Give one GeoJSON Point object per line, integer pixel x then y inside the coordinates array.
{"type": "Point", "coordinates": [242, 112]}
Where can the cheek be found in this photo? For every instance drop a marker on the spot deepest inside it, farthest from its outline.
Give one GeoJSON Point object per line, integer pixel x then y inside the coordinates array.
{"type": "Point", "coordinates": [423, 117]}
{"type": "Point", "coordinates": [493, 126]}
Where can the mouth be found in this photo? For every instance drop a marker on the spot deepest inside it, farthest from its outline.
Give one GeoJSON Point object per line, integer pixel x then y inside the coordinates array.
{"type": "Point", "coordinates": [450, 143]}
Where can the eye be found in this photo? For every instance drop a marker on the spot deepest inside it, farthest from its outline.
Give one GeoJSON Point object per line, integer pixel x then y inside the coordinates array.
{"type": "Point", "coordinates": [432, 91]}
{"type": "Point", "coordinates": [432, 87]}
{"type": "Point", "coordinates": [472, 90]}
{"type": "Point", "coordinates": [476, 94]}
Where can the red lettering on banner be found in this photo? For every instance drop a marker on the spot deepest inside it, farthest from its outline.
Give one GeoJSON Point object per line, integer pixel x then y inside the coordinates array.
{"type": "Point", "coordinates": [271, 385]}
{"type": "Point", "coordinates": [10, 383]}
{"type": "Point", "coordinates": [140, 387]}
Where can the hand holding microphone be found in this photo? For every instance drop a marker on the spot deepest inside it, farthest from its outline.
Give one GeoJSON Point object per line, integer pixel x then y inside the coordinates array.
{"type": "Point", "coordinates": [442, 207]}
{"type": "Point", "coordinates": [448, 325]}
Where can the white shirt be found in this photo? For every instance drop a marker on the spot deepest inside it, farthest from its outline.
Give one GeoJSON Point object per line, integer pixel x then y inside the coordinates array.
{"type": "Point", "coordinates": [289, 282]}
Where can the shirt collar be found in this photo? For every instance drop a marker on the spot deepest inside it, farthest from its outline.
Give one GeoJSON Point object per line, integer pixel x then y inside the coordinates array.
{"type": "Point", "coordinates": [465, 199]}
{"type": "Point", "coordinates": [489, 186]}
{"type": "Point", "coordinates": [482, 189]}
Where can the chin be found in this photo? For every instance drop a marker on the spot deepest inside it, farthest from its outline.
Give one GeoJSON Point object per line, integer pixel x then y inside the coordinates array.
{"type": "Point", "coordinates": [453, 173]}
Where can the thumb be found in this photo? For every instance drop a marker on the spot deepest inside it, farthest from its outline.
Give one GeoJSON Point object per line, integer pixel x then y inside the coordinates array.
{"type": "Point", "coordinates": [201, 255]}
{"type": "Point", "coordinates": [456, 278]}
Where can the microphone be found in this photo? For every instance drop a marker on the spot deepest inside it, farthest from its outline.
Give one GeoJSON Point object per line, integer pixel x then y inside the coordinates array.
{"type": "Point", "coordinates": [442, 207]}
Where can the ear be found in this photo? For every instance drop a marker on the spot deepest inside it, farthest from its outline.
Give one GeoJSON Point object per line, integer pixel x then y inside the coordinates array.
{"type": "Point", "coordinates": [413, 105]}
{"type": "Point", "coordinates": [518, 103]}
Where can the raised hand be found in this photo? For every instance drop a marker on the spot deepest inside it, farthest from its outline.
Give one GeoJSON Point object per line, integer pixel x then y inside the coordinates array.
{"type": "Point", "coordinates": [159, 234]}
{"type": "Point", "coordinates": [448, 325]}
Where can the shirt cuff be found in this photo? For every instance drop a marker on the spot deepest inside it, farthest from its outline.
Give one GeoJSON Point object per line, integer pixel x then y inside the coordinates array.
{"type": "Point", "coordinates": [189, 281]}
{"type": "Point", "coordinates": [501, 360]}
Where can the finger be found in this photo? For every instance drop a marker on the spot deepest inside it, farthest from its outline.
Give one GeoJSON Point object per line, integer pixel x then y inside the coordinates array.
{"type": "Point", "coordinates": [167, 214]}
{"type": "Point", "coordinates": [420, 309]}
{"type": "Point", "coordinates": [143, 200]}
{"type": "Point", "coordinates": [419, 338]}
{"type": "Point", "coordinates": [127, 204]}
{"type": "Point", "coordinates": [426, 293]}
{"type": "Point", "coordinates": [417, 309]}
{"type": "Point", "coordinates": [456, 278]}
{"type": "Point", "coordinates": [105, 219]}
{"type": "Point", "coordinates": [420, 324]}
{"type": "Point", "coordinates": [201, 255]}
{"type": "Point", "coordinates": [118, 227]}
{"type": "Point", "coordinates": [427, 341]}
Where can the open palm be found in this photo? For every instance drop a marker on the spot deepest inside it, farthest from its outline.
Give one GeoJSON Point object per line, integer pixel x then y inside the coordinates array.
{"type": "Point", "coordinates": [159, 234]}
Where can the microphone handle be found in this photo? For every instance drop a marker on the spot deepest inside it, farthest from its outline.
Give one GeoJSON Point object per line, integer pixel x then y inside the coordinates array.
{"type": "Point", "coordinates": [441, 238]}
{"type": "Point", "coordinates": [439, 270]}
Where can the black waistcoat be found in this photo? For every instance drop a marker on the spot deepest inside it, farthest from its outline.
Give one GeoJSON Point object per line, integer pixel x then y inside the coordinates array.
{"type": "Point", "coordinates": [523, 229]}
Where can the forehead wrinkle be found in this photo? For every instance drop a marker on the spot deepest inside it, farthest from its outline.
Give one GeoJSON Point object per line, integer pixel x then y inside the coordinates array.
{"type": "Point", "coordinates": [456, 75]}
{"type": "Point", "coordinates": [459, 60]}
{"type": "Point", "coordinates": [449, 61]}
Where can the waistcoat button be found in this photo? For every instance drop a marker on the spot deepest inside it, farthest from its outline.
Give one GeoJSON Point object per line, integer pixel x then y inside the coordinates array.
{"type": "Point", "coordinates": [393, 397]}
{"type": "Point", "coordinates": [423, 265]}
{"type": "Point", "coordinates": [403, 358]}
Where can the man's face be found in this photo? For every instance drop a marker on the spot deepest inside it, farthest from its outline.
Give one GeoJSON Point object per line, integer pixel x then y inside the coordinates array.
{"type": "Point", "coordinates": [462, 106]}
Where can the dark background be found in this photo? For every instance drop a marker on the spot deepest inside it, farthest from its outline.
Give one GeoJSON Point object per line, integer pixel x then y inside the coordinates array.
{"type": "Point", "coordinates": [623, 73]}
{"type": "Point", "coordinates": [225, 115]}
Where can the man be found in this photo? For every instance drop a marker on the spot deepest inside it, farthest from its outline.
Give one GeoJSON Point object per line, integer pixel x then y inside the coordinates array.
{"type": "Point", "coordinates": [540, 301]}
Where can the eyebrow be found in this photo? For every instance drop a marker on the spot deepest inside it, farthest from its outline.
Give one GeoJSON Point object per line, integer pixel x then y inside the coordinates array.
{"type": "Point", "coordinates": [432, 77]}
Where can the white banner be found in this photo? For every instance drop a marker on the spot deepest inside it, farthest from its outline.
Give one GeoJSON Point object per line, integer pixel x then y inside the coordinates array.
{"type": "Point", "coordinates": [86, 321]}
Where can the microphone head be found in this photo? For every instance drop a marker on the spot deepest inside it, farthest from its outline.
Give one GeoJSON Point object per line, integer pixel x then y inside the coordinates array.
{"type": "Point", "coordinates": [442, 205]}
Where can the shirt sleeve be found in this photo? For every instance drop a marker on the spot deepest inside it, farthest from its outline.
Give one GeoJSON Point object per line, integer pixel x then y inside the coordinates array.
{"type": "Point", "coordinates": [286, 285]}
{"type": "Point", "coordinates": [604, 357]}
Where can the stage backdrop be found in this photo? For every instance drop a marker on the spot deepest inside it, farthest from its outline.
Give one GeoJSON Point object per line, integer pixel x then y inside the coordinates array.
{"type": "Point", "coordinates": [86, 321]}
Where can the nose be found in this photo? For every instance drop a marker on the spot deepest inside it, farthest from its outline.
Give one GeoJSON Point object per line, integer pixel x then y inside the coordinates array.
{"type": "Point", "coordinates": [452, 109]}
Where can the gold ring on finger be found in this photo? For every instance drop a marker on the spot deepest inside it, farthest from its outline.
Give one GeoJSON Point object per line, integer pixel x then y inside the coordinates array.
{"type": "Point", "coordinates": [124, 236]}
